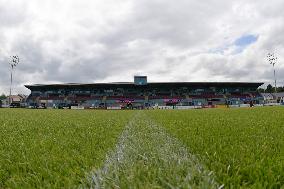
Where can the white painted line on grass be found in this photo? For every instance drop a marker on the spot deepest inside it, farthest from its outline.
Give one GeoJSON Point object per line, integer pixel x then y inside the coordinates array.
{"type": "Point", "coordinates": [147, 157]}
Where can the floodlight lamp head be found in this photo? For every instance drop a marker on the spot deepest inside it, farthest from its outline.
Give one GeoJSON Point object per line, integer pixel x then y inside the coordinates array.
{"type": "Point", "coordinates": [271, 58]}
{"type": "Point", "coordinates": [14, 61]}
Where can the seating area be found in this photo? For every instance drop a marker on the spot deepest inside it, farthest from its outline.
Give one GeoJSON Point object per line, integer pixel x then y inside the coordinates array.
{"type": "Point", "coordinates": [165, 97]}
{"type": "Point", "coordinates": [79, 98]}
{"type": "Point", "coordinates": [125, 97]}
{"type": "Point", "coordinates": [51, 97]}
{"type": "Point", "coordinates": [256, 95]}
{"type": "Point", "coordinates": [239, 95]}
{"type": "Point", "coordinates": [205, 96]}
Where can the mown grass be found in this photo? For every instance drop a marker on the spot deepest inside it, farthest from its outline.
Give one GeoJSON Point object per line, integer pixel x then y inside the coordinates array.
{"type": "Point", "coordinates": [244, 147]}
{"type": "Point", "coordinates": [60, 148]}
{"type": "Point", "coordinates": [147, 157]}
{"type": "Point", "coordinates": [55, 148]}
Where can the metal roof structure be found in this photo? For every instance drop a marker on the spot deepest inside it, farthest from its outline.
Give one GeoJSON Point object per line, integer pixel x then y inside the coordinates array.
{"type": "Point", "coordinates": [148, 85]}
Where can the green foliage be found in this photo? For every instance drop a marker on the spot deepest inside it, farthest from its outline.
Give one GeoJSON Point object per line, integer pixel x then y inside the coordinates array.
{"type": "Point", "coordinates": [244, 147]}
{"type": "Point", "coordinates": [2, 97]}
{"type": "Point", "coordinates": [54, 148]}
{"type": "Point", "coordinates": [280, 89]}
{"type": "Point", "coordinates": [261, 90]}
{"type": "Point", "coordinates": [269, 89]}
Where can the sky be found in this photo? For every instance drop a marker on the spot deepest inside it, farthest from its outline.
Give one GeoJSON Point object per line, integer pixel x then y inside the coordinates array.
{"type": "Point", "coordinates": [86, 41]}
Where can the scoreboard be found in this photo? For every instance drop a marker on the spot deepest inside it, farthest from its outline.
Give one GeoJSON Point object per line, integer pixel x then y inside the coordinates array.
{"type": "Point", "coordinates": [140, 80]}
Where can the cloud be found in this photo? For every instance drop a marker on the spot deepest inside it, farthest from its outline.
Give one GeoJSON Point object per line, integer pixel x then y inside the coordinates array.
{"type": "Point", "coordinates": [107, 41]}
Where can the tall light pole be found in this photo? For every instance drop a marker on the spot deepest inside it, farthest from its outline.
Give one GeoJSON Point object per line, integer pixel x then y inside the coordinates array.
{"type": "Point", "coordinates": [14, 61]}
{"type": "Point", "coordinates": [272, 59]}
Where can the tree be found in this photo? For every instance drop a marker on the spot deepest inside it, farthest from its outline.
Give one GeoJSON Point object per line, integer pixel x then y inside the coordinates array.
{"type": "Point", "coordinates": [3, 96]}
{"type": "Point", "coordinates": [269, 89]}
{"type": "Point", "coordinates": [260, 90]}
{"type": "Point", "coordinates": [280, 89]}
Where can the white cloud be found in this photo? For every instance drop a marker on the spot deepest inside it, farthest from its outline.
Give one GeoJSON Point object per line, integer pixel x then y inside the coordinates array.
{"type": "Point", "coordinates": [106, 41]}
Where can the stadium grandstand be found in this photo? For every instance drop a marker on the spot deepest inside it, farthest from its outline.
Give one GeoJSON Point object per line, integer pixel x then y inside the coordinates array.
{"type": "Point", "coordinates": [140, 94]}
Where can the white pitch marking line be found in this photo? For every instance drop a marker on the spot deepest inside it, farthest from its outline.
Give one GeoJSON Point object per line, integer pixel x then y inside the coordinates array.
{"type": "Point", "coordinates": [143, 141]}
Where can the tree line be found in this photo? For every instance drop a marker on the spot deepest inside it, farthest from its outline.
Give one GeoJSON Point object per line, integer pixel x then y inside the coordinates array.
{"type": "Point", "coordinates": [270, 89]}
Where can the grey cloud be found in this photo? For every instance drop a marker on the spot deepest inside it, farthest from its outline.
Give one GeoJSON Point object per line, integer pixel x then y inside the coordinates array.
{"type": "Point", "coordinates": [12, 14]}
{"type": "Point", "coordinates": [170, 41]}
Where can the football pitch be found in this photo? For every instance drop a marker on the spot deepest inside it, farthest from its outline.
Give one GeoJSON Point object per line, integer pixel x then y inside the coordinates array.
{"type": "Point", "coordinates": [208, 148]}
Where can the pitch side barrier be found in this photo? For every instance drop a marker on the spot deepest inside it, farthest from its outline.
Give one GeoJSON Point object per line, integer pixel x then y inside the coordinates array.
{"type": "Point", "coordinates": [177, 107]}
{"type": "Point", "coordinates": [273, 104]}
{"type": "Point", "coordinates": [165, 107]}
{"type": "Point", "coordinates": [193, 107]}
{"type": "Point", "coordinates": [217, 106]}
{"type": "Point", "coordinates": [113, 108]}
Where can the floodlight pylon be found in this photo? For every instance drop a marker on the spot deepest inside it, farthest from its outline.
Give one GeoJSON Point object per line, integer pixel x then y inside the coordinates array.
{"type": "Point", "coordinates": [14, 61]}
{"type": "Point", "coordinates": [272, 59]}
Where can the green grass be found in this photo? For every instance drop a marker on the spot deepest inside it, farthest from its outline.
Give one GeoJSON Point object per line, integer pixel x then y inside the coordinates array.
{"type": "Point", "coordinates": [244, 147]}
{"type": "Point", "coordinates": [55, 148]}
{"type": "Point", "coordinates": [62, 148]}
{"type": "Point", "coordinates": [147, 157]}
